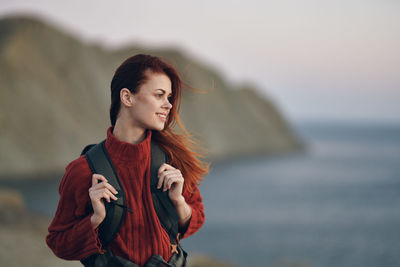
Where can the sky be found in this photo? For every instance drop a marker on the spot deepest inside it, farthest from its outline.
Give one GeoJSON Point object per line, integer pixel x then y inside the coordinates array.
{"type": "Point", "coordinates": [317, 60]}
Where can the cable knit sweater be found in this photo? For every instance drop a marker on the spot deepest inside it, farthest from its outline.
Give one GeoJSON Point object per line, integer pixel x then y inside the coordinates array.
{"type": "Point", "coordinates": [141, 235]}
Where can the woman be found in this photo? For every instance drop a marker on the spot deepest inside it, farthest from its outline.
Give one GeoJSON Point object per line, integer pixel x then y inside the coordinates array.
{"type": "Point", "coordinates": [145, 98]}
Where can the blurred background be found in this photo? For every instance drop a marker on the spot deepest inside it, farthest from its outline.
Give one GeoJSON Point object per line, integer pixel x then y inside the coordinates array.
{"type": "Point", "coordinates": [300, 118]}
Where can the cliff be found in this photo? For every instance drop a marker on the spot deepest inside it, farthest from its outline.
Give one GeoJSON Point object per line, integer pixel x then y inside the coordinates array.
{"type": "Point", "coordinates": [54, 99]}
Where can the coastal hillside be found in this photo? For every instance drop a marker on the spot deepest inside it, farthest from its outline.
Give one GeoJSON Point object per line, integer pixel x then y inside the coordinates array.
{"type": "Point", "coordinates": [54, 99]}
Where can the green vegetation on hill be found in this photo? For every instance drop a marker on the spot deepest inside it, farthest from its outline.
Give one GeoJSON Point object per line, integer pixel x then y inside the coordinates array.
{"type": "Point", "coordinates": [54, 99]}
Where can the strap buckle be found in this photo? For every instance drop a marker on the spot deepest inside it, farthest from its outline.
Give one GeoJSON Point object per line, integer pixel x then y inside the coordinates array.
{"type": "Point", "coordinates": [174, 246]}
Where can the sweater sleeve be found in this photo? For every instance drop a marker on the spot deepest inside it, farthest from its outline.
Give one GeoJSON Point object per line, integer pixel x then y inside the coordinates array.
{"type": "Point", "coordinates": [194, 200]}
{"type": "Point", "coordinates": [71, 235]}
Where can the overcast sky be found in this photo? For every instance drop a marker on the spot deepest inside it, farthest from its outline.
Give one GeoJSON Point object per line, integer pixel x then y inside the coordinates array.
{"type": "Point", "coordinates": [319, 60]}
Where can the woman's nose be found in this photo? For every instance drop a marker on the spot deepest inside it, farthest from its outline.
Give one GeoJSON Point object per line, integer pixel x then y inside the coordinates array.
{"type": "Point", "coordinates": [167, 104]}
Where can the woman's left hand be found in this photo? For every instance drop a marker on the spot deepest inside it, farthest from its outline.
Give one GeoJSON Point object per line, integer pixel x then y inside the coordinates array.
{"type": "Point", "coordinates": [170, 178]}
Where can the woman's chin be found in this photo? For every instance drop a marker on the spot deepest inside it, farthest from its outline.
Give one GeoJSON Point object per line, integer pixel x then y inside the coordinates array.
{"type": "Point", "coordinates": [158, 127]}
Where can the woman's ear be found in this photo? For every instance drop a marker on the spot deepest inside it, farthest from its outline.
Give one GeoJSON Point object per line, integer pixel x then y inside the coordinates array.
{"type": "Point", "coordinates": [127, 98]}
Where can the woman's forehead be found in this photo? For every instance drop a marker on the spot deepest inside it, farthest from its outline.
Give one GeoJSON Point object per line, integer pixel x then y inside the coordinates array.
{"type": "Point", "coordinates": [157, 81]}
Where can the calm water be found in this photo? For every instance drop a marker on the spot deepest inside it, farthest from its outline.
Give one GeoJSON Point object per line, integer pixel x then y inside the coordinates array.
{"type": "Point", "coordinates": [337, 204]}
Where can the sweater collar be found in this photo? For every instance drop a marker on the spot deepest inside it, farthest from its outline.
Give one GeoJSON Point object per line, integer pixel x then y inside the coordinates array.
{"type": "Point", "coordinates": [124, 150]}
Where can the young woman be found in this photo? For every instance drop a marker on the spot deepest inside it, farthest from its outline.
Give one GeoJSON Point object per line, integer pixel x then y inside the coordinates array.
{"type": "Point", "coordinates": [145, 98]}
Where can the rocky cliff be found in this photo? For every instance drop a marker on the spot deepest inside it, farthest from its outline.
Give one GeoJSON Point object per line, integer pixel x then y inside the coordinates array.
{"type": "Point", "coordinates": [54, 99]}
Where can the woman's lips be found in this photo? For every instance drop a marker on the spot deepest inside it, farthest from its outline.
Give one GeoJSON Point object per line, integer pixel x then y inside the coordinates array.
{"type": "Point", "coordinates": [162, 116]}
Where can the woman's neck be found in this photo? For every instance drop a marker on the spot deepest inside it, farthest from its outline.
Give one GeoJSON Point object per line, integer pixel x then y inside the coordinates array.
{"type": "Point", "coordinates": [125, 132]}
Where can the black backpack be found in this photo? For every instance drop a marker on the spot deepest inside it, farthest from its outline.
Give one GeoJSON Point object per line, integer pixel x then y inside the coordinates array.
{"type": "Point", "coordinates": [99, 162]}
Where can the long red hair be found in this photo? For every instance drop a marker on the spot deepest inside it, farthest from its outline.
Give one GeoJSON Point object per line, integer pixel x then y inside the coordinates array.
{"type": "Point", "coordinates": [183, 151]}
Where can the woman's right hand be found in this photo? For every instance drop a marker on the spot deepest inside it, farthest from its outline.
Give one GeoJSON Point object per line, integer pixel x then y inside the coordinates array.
{"type": "Point", "coordinates": [100, 189]}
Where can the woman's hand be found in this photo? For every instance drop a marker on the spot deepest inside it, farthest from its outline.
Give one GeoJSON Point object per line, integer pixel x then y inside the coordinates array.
{"type": "Point", "coordinates": [100, 189]}
{"type": "Point", "coordinates": [170, 178]}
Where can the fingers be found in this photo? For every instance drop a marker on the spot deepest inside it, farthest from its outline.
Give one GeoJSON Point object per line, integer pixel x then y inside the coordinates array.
{"type": "Point", "coordinates": [172, 180]}
{"type": "Point", "coordinates": [103, 184]}
{"type": "Point", "coordinates": [96, 177]}
{"type": "Point", "coordinates": [96, 195]}
{"type": "Point", "coordinates": [165, 167]}
{"type": "Point", "coordinates": [101, 189]}
{"type": "Point", "coordinates": [163, 175]}
{"type": "Point", "coordinates": [168, 177]}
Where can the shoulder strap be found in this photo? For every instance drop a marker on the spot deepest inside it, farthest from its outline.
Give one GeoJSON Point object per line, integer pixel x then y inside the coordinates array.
{"type": "Point", "coordinates": [100, 163]}
{"type": "Point", "coordinates": [162, 204]}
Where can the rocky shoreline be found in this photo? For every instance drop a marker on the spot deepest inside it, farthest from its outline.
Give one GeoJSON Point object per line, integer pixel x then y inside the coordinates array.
{"type": "Point", "coordinates": [23, 238]}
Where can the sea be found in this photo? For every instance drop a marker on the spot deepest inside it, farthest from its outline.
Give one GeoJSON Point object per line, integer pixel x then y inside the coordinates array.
{"type": "Point", "coordinates": [336, 203]}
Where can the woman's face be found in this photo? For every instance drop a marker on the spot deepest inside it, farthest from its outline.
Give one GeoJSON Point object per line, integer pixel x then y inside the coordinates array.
{"type": "Point", "coordinates": [151, 103]}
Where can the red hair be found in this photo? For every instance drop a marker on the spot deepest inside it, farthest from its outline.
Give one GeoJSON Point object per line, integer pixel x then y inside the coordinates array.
{"type": "Point", "coordinates": [182, 149]}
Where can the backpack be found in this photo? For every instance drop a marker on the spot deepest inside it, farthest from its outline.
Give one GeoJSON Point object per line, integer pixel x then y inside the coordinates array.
{"type": "Point", "coordinates": [99, 162]}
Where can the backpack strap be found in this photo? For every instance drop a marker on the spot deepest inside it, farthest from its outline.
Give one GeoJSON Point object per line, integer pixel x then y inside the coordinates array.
{"type": "Point", "coordinates": [100, 163]}
{"type": "Point", "coordinates": [162, 204]}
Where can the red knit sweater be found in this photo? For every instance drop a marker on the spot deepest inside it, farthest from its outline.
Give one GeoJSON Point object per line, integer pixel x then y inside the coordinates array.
{"type": "Point", "coordinates": [141, 235]}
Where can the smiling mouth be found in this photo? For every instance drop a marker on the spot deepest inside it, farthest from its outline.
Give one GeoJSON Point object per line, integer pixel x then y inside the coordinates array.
{"type": "Point", "coordinates": [162, 116]}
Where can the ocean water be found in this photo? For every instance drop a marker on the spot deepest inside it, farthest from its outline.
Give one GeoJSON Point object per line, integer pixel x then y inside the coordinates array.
{"type": "Point", "coordinates": [335, 204]}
